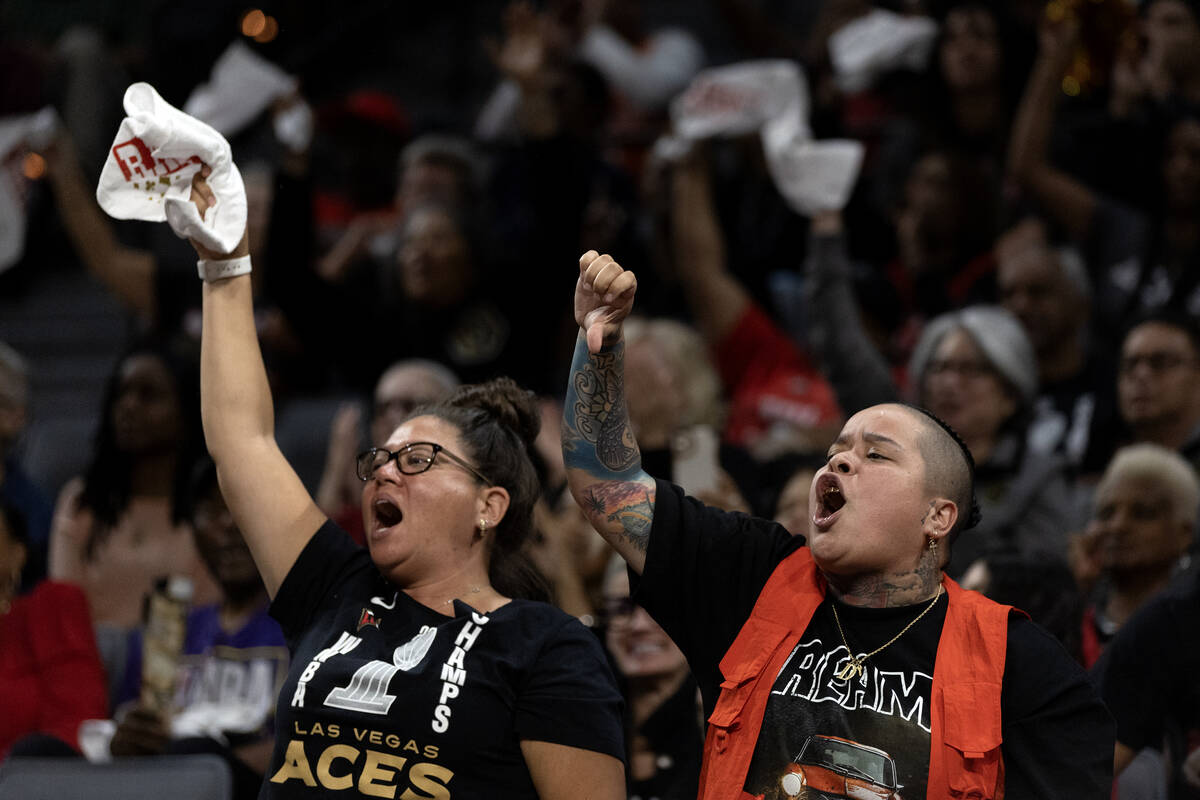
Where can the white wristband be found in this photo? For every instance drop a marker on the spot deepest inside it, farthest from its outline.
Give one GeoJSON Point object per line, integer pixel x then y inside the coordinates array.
{"type": "Point", "coordinates": [219, 270]}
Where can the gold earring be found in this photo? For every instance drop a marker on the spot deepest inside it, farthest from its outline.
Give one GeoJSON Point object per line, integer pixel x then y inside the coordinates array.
{"type": "Point", "coordinates": [483, 525]}
{"type": "Point", "coordinates": [932, 543]}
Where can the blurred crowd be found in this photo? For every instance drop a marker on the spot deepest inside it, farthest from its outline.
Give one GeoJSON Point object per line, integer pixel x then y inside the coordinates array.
{"type": "Point", "coordinates": [1019, 253]}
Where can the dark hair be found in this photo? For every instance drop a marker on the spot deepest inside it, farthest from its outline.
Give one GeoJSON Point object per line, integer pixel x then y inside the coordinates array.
{"type": "Point", "coordinates": [1192, 6]}
{"type": "Point", "coordinates": [497, 422]}
{"type": "Point", "coordinates": [1170, 318]}
{"type": "Point", "coordinates": [957, 482]}
{"type": "Point", "coordinates": [1017, 43]}
{"type": "Point", "coordinates": [15, 522]}
{"type": "Point", "coordinates": [201, 481]}
{"type": "Point", "coordinates": [107, 479]}
{"type": "Point", "coordinates": [18, 530]}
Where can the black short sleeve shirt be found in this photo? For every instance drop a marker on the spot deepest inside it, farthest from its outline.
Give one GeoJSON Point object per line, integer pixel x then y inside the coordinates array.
{"type": "Point", "coordinates": [390, 698]}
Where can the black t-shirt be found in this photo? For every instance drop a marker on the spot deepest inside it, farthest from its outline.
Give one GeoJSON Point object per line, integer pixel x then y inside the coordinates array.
{"type": "Point", "coordinates": [388, 697]}
{"type": "Point", "coordinates": [675, 734]}
{"type": "Point", "coordinates": [1077, 416]}
{"type": "Point", "coordinates": [1148, 676]}
{"type": "Point", "coordinates": [886, 708]}
{"type": "Point", "coordinates": [704, 571]}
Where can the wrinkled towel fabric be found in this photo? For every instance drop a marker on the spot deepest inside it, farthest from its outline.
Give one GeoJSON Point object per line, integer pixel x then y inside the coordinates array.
{"type": "Point", "coordinates": [148, 174]}
{"type": "Point", "coordinates": [243, 84]}
{"type": "Point", "coordinates": [877, 43]}
{"type": "Point", "coordinates": [770, 97]}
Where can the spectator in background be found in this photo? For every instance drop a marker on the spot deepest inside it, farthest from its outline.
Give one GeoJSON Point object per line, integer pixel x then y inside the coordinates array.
{"type": "Point", "coordinates": [434, 168]}
{"type": "Point", "coordinates": [120, 526]}
{"type": "Point", "coordinates": [1147, 678]}
{"type": "Point", "coordinates": [942, 244]}
{"type": "Point", "coordinates": [16, 487]}
{"type": "Point", "coordinates": [1166, 69]}
{"type": "Point", "coordinates": [679, 400]}
{"type": "Point", "coordinates": [1143, 523]}
{"type": "Point", "coordinates": [942, 262]}
{"type": "Point", "coordinates": [1047, 288]}
{"type": "Point", "coordinates": [403, 387]}
{"type": "Point", "coordinates": [1040, 584]}
{"type": "Point", "coordinates": [439, 168]}
{"type": "Point", "coordinates": [1141, 259]}
{"type": "Point", "coordinates": [439, 297]}
{"type": "Point", "coordinates": [552, 187]}
{"type": "Point", "coordinates": [359, 136]}
{"type": "Point", "coordinates": [777, 399]}
{"type": "Point", "coordinates": [51, 678]}
{"type": "Point", "coordinates": [976, 370]}
{"type": "Point", "coordinates": [664, 728]}
{"type": "Point", "coordinates": [644, 68]}
{"type": "Point", "coordinates": [1158, 384]}
{"type": "Point", "coordinates": [233, 664]}
{"type": "Point", "coordinates": [982, 55]}
{"type": "Point", "coordinates": [957, 116]}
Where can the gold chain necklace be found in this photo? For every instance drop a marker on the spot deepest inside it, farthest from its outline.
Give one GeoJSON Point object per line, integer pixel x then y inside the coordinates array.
{"type": "Point", "coordinates": [854, 667]}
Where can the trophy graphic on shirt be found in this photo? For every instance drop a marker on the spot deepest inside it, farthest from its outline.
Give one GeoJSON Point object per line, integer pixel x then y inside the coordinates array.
{"type": "Point", "coordinates": [409, 654]}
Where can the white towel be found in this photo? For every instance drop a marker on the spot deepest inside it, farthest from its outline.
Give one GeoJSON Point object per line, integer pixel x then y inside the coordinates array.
{"type": "Point", "coordinates": [736, 99]}
{"type": "Point", "coordinates": [242, 85]}
{"type": "Point", "coordinates": [862, 50]}
{"type": "Point", "coordinates": [770, 97]}
{"type": "Point", "coordinates": [148, 174]}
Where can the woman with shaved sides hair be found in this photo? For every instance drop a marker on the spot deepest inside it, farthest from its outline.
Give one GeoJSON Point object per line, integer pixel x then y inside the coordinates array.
{"type": "Point", "coordinates": [842, 662]}
{"type": "Point", "coordinates": [421, 666]}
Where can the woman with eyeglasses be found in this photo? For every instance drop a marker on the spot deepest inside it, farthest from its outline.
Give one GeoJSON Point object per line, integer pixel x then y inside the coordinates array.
{"type": "Point", "coordinates": [664, 718]}
{"type": "Point", "coordinates": [418, 669]}
{"type": "Point", "coordinates": [975, 369]}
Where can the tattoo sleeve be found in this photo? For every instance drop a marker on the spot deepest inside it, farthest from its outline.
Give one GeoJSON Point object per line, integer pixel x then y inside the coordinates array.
{"type": "Point", "coordinates": [601, 455]}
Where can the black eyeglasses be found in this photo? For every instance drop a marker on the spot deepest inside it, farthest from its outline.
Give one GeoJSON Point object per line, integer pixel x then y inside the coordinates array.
{"type": "Point", "coordinates": [1157, 362]}
{"type": "Point", "coordinates": [412, 459]}
{"type": "Point", "coordinates": [967, 368]}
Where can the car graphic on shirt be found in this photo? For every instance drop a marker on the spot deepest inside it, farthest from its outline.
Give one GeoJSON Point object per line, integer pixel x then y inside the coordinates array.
{"type": "Point", "coordinates": [831, 767]}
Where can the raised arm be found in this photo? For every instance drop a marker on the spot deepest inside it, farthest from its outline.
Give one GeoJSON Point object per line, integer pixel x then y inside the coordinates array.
{"type": "Point", "coordinates": [128, 272]}
{"type": "Point", "coordinates": [716, 299]}
{"type": "Point", "coordinates": [849, 359]}
{"type": "Point", "coordinates": [267, 499]}
{"type": "Point", "coordinates": [1065, 198]}
{"type": "Point", "coordinates": [604, 466]}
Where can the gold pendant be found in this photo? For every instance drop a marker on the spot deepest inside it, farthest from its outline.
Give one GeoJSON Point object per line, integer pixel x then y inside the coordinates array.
{"type": "Point", "coordinates": [851, 670]}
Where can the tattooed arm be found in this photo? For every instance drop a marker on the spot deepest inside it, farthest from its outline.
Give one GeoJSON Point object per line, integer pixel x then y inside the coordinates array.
{"type": "Point", "coordinates": [604, 467]}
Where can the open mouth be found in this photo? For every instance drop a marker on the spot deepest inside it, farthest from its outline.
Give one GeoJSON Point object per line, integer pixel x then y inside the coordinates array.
{"type": "Point", "coordinates": [645, 647]}
{"type": "Point", "coordinates": [830, 499]}
{"type": "Point", "coordinates": [387, 513]}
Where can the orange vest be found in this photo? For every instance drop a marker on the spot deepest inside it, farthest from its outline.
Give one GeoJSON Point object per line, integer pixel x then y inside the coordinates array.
{"type": "Point", "coordinates": [964, 747]}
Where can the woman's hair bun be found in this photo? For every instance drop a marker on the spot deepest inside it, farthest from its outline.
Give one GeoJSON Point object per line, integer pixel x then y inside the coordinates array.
{"type": "Point", "coordinates": [503, 399]}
